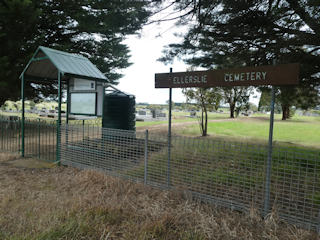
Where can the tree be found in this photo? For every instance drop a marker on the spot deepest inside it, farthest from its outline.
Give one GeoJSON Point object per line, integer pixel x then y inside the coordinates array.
{"type": "Point", "coordinates": [237, 98]}
{"type": "Point", "coordinates": [253, 107]}
{"type": "Point", "coordinates": [207, 99]}
{"type": "Point", "coordinates": [93, 28]}
{"type": "Point", "coordinates": [265, 102]}
{"type": "Point", "coordinates": [172, 104]}
{"type": "Point", "coordinates": [256, 32]}
{"type": "Point", "coordinates": [32, 104]}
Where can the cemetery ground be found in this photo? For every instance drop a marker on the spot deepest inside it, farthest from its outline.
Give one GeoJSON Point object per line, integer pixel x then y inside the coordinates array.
{"type": "Point", "coordinates": [41, 201]}
{"type": "Point", "coordinates": [299, 131]}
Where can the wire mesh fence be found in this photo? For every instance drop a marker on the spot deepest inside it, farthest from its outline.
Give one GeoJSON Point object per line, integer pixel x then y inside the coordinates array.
{"type": "Point", "coordinates": [97, 122]}
{"type": "Point", "coordinates": [230, 174]}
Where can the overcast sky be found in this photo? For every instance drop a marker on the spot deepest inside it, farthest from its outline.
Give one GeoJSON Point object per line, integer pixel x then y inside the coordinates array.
{"type": "Point", "coordinates": [139, 77]}
{"type": "Point", "coordinates": [145, 50]}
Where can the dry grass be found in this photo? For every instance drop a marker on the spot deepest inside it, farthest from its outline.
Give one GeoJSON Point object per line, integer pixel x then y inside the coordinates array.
{"type": "Point", "coordinates": [66, 203]}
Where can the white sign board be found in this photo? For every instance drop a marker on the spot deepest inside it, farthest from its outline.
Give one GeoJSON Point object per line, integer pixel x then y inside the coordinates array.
{"type": "Point", "coordinates": [83, 103]}
{"type": "Point", "coordinates": [82, 84]}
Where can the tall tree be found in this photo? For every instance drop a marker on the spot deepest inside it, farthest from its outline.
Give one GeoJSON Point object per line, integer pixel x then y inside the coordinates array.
{"type": "Point", "coordinates": [93, 28]}
{"type": "Point", "coordinates": [256, 32]}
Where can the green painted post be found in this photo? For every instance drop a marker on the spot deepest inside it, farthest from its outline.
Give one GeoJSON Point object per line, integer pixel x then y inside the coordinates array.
{"type": "Point", "coordinates": [83, 130]}
{"type": "Point", "coordinates": [103, 103]}
{"type": "Point", "coordinates": [22, 119]}
{"type": "Point", "coordinates": [2, 133]}
{"type": "Point", "coordinates": [19, 140]}
{"type": "Point", "coordinates": [67, 110]}
{"type": "Point", "coordinates": [59, 120]}
{"type": "Point", "coordinates": [67, 113]}
{"type": "Point", "coordinates": [39, 138]}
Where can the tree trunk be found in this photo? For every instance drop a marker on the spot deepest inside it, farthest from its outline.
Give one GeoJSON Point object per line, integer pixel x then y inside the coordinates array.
{"type": "Point", "coordinates": [285, 112]}
{"type": "Point", "coordinates": [203, 121]}
{"type": "Point", "coordinates": [205, 129]}
{"type": "Point", "coordinates": [232, 107]}
{"type": "Point", "coordinates": [202, 125]}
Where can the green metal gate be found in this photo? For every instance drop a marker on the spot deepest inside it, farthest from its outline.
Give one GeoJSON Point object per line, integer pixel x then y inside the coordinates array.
{"type": "Point", "coordinates": [40, 137]}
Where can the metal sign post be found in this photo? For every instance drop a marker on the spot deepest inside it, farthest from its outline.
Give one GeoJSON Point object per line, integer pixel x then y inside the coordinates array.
{"type": "Point", "coordinates": [269, 161]}
{"type": "Point", "coordinates": [169, 135]}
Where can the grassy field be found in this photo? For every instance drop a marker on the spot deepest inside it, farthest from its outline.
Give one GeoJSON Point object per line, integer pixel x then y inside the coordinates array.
{"type": "Point", "coordinates": [42, 202]}
{"type": "Point", "coordinates": [48, 105]}
{"type": "Point", "coordinates": [299, 130]}
{"type": "Point", "coordinates": [27, 115]}
{"type": "Point", "coordinates": [181, 117]}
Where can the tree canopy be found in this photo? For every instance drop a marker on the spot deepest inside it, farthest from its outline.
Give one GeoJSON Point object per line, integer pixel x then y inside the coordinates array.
{"type": "Point", "coordinates": [92, 28]}
{"type": "Point", "coordinates": [256, 32]}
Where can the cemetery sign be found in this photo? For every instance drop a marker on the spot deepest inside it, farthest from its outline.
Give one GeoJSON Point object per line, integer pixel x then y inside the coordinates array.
{"type": "Point", "coordinates": [282, 74]}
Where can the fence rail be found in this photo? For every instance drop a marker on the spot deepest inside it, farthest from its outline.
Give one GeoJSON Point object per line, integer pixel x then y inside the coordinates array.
{"type": "Point", "coordinates": [229, 174]}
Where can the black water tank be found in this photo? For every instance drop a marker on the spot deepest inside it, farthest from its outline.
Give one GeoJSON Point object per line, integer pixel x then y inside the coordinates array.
{"type": "Point", "coordinates": [119, 111]}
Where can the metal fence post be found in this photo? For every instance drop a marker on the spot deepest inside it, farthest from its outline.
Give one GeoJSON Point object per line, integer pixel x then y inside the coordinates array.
{"type": "Point", "coordinates": [82, 129]}
{"type": "Point", "coordinates": [39, 138]}
{"type": "Point", "coordinates": [57, 142]}
{"type": "Point", "coordinates": [269, 162]}
{"type": "Point", "coordinates": [59, 118]}
{"type": "Point", "coordinates": [169, 137]}
{"type": "Point", "coordinates": [19, 134]}
{"type": "Point", "coordinates": [146, 156]}
{"type": "Point", "coordinates": [2, 133]}
{"type": "Point", "coordinates": [22, 116]}
{"type": "Point", "coordinates": [318, 227]}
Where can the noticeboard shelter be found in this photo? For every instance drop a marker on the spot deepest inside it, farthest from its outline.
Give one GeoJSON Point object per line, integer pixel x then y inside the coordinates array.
{"type": "Point", "coordinates": [51, 66]}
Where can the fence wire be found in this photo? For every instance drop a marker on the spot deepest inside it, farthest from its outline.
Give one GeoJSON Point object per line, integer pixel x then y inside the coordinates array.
{"type": "Point", "coordinates": [230, 174]}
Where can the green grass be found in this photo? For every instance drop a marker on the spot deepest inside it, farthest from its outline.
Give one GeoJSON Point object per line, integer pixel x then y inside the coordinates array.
{"type": "Point", "coordinates": [237, 169]}
{"type": "Point", "coordinates": [299, 130]}
{"type": "Point", "coordinates": [211, 115]}
{"type": "Point", "coordinates": [27, 115]}
{"type": "Point", "coordinates": [180, 117]}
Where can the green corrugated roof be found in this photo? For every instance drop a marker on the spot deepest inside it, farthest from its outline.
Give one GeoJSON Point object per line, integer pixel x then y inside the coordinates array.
{"type": "Point", "coordinates": [46, 62]}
